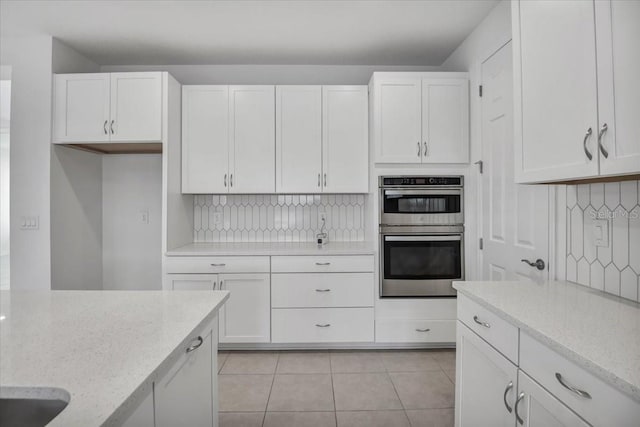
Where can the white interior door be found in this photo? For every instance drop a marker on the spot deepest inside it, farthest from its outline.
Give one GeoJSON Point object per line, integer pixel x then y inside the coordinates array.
{"type": "Point", "coordinates": [515, 217]}
{"type": "Point", "coordinates": [205, 139]}
{"type": "Point", "coordinates": [618, 32]}
{"type": "Point", "coordinates": [298, 139]}
{"type": "Point", "coordinates": [345, 139]}
{"type": "Point", "coordinates": [136, 107]}
{"type": "Point", "coordinates": [253, 150]}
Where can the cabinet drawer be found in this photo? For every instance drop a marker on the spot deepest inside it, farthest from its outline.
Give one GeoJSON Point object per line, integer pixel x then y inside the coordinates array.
{"type": "Point", "coordinates": [228, 264]}
{"type": "Point", "coordinates": [294, 290]}
{"type": "Point", "coordinates": [415, 330]}
{"type": "Point", "coordinates": [496, 331]}
{"type": "Point", "coordinates": [317, 325]}
{"type": "Point", "coordinates": [322, 264]}
{"type": "Point", "coordinates": [606, 407]}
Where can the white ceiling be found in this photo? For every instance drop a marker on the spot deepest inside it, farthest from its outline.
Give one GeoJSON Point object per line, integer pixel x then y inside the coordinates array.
{"type": "Point", "coordinates": [337, 32]}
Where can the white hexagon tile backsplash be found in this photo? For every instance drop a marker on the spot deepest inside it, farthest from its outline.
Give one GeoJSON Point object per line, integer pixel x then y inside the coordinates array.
{"type": "Point", "coordinates": [614, 268]}
{"type": "Point", "coordinates": [277, 218]}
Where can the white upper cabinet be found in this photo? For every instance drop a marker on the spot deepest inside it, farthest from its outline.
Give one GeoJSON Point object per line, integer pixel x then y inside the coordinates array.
{"type": "Point", "coordinates": [345, 139]}
{"type": "Point", "coordinates": [81, 110]}
{"type": "Point", "coordinates": [205, 139]}
{"type": "Point", "coordinates": [571, 80]}
{"type": "Point", "coordinates": [618, 33]}
{"type": "Point", "coordinates": [108, 107]}
{"type": "Point", "coordinates": [136, 107]}
{"type": "Point", "coordinates": [298, 139]}
{"type": "Point", "coordinates": [445, 120]}
{"type": "Point", "coordinates": [421, 117]}
{"type": "Point", "coordinates": [252, 139]}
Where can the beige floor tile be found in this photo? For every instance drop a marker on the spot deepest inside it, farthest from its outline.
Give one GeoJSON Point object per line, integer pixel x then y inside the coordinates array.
{"type": "Point", "coordinates": [372, 419]}
{"type": "Point", "coordinates": [244, 393]}
{"type": "Point", "coordinates": [304, 363]}
{"type": "Point", "coordinates": [446, 359]}
{"type": "Point", "coordinates": [303, 392]}
{"type": "Point", "coordinates": [364, 392]}
{"type": "Point", "coordinates": [409, 361]}
{"type": "Point", "coordinates": [431, 417]}
{"type": "Point", "coordinates": [240, 419]}
{"type": "Point", "coordinates": [250, 363]}
{"type": "Point", "coordinates": [222, 357]}
{"type": "Point", "coordinates": [356, 362]}
{"type": "Point", "coordinates": [451, 375]}
{"type": "Point", "coordinates": [300, 419]}
{"type": "Point", "coordinates": [424, 390]}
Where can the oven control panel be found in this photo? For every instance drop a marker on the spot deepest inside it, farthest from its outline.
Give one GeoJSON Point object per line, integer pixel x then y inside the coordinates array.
{"type": "Point", "coordinates": [421, 181]}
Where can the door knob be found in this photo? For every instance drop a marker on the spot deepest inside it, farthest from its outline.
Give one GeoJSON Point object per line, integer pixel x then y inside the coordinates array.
{"type": "Point", "coordinates": [539, 264]}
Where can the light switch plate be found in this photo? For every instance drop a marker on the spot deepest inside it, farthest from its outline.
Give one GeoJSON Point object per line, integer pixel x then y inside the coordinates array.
{"type": "Point", "coordinates": [601, 232]}
{"type": "Point", "coordinates": [144, 216]}
{"type": "Point", "coordinates": [30, 222]}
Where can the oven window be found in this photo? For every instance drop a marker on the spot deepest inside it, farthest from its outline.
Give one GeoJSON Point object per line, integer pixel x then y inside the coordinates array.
{"type": "Point", "coordinates": [422, 260]}
{"type": "Point", "coordinates": [418, 204]}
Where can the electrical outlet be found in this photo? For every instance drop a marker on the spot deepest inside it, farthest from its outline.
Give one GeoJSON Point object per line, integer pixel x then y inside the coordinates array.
{"type": "Point", "coordinates": [601, 232]}
{"type": "Point", "coordinates": [144, 216]}
{"type": "Point", "coordinates": [322, 216]}
{"type": "Point", "coordinates": [217, 218]}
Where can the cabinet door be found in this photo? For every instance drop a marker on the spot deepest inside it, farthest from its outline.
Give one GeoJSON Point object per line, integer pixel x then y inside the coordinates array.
{"type": "Point", "coordinates": [184, 396]}
{"type": "Point", "coordinates": [136, 107]}
{"type": "Point", "coordinates": [345, 139]}
{"type": "Point", "coordinates": [246, 315]}
{"type": "Point", "coordinates": [445, 121]}
{"type": "Point", "coordinates": [205, 139]}
{"type": "Point", "coordinates": [192, 282]}
{"type": "Point", "coordinates": [81, 110]}
{"type": "Point", "coordinates": [252, 133]}
{"type": "Point", "coordinates": [298, 139]}
{"type": "Point", "coordinates": [618, 32]}
{"type": "Point", "coordinates": [397, 118]}
{"type": "Point", "coordinates": [486, 383]}
{"type": "Point", "coordinates": [555, 99]}
{"type": "Point", "coordinates": [143, 415]}
{"type": "Point", "coordinates": [538, 408]}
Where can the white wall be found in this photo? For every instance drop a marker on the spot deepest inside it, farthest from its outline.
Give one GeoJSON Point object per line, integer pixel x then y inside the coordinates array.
{"type": "Point", "coordinates": [31, 61]}
{"type": "Point", "coordinates": [76, 200]}
{"type": "Point", "coordinates": [132, 254]}
{"type": "Point", "coordinates": [269, 74]}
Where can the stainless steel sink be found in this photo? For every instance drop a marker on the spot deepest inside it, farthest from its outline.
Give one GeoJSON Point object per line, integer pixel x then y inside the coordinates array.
{"type": "Point", "coordinates": [30, 407]}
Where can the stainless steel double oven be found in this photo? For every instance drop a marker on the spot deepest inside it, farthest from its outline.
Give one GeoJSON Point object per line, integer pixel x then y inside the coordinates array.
{"type": "Point", "coordinates": [421, 235]}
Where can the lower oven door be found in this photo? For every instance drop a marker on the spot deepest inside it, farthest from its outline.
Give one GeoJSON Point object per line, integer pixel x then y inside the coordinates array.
{"type": "Point", "coordinates": [420, 265]}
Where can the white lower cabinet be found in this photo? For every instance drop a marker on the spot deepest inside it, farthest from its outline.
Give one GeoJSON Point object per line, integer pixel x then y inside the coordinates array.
{"type": "Point", "coordinates": [245, 316]}
{"type": "Point", "coordinates": [192, 282]}
{"type": "Point", "coordinates": [143, 415]}
{"type": "Point", "coordinates": [486, 383]}
{"type": "Point", "coordinates": [322, 325]}
{"type": "Point", "coordinates": [415, 330]}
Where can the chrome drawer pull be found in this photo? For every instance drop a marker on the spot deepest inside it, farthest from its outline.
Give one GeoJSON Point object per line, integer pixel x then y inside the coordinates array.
{"type": "Point", "coordinates": [196, 345]}
{"type": "Point", "coordinates": [520, 397]}
{"type": "Point", "coordinates": [422, 330]}
{"type": "Point", "coordinates": [577, 391]}
{"type": "Point", "coordinates": [323, 263]}
{"type": "Point", "coordinates": [323, 290]}
{"type": "Point", "coordinates": [326, 325]}
{"type": "Point", "coordinates": [481, 323]}
{"type": "Point", "coordinates": [504, 397]}
{"type": "Point", "coordinates": [218, 265]}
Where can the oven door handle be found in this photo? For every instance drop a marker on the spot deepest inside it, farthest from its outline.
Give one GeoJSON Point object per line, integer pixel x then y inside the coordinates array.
{"type": "Point", "coordinates": [439, 238]}
{"type": "Point", "coordinates": [425, 192]}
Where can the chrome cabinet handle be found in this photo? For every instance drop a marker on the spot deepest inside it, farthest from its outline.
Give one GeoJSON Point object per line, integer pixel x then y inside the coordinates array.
{"type": "Point", "coordinates": [504, 396]}
{"type": "Point", "coordinates": [325, 179]}
{"type": "Point", "coordinates": [480, 322]}
{"type": "Point", "coordinates": [520, 397]}
{"type": "Point", "coordinates": [214, 285]}
{"type": "Point", "coordinates": [584, 143]}
{"type": "Point", "coordinates": [222, 264]}
{"type": "Point", "coordinates": [539, 264]}
{"type": "Point", "coordinates": [111, 126]}
{"type": "Point", "coordinates": [231, 180]}
{"type": "Point", "coordinates": [603, 150]}
{"type": "Point", "coordinates": [196, 345]}
{"type": "Point", "coordinates": [318, 180]}
{"type": "Point", "coordinates": [225, 179]}
{"type": "Point", "coordinates": [425, 149]}
{"type": "Point", "coordinates": [104, 127]}
{"type": "Point", "coordinates": [326, 325]}
{"type": "Point", "coordinates": [323, 290]}
{"type": "Point", "coordinates": [577, 391]}
{"type": "Point", "coordinates": [422, 330]}
{"type": "Point", "coordinates": [323, 263]}
{"type": "Point", "coordinates": [418, 148]}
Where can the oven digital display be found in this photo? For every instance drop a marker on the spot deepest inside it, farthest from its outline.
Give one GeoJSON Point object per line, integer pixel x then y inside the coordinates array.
{"type": "Point", "coordinates": [419, 204]}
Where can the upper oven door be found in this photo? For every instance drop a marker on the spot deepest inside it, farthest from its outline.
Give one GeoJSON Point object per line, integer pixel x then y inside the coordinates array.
{"type": "Point", "coordinates": [421, 206]}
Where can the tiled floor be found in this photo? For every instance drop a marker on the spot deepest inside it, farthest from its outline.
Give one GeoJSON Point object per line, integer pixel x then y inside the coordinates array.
{"type": "Point", "coordinates": [337, 388]}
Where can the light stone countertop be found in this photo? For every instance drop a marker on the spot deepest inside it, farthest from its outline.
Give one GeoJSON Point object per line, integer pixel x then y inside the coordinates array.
{"type": "Point", "coordinates": [600, 332]}
{"type": "Point", "coordinates": [105, 348]}
{"type": "Point", "coordinates": [273, 248]}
